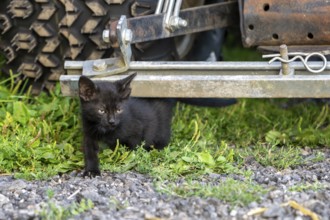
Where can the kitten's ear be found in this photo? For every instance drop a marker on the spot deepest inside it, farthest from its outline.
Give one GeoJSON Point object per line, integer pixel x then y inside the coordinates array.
{"type": "Point", "coordinates": [124, 86]}
{"type": "Point", "coordinates": [87, 88]}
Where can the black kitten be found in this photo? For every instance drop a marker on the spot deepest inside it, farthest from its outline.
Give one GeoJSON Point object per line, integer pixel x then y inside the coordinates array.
{"type": "Point", "coordinates": [109, 114]}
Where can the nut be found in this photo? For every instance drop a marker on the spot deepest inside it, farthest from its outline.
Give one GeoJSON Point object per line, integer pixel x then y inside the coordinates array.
{"type": "Point", "coordinates": [99, 65]}
{"type": "Point", "coordinates": [106, 36]}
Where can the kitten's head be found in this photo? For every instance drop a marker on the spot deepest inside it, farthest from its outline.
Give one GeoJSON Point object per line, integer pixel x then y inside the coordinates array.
{"type": "Point", "coordinates": [103, 103]}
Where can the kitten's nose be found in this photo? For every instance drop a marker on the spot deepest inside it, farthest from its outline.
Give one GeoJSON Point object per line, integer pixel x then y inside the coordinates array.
{"type": "Point", "coordinates": [112, 122]}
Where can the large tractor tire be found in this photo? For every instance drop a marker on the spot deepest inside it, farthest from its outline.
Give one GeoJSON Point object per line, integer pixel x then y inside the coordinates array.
{"type": "Point", "coordinates": [38, 35]}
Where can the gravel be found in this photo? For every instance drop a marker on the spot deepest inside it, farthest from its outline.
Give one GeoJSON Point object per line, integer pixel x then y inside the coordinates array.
{"type": "Point", "coordinates": [133, 196]}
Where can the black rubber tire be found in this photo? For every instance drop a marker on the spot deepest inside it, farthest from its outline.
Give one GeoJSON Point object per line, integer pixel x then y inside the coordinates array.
{"type": "Point", "coordinates": [38, 35]}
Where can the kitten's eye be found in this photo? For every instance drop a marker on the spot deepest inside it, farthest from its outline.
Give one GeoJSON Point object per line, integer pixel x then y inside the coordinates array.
{"type": "Point", "coordinates": [101, 111]}
{"type": "Point", "coordinates": [119, 110]}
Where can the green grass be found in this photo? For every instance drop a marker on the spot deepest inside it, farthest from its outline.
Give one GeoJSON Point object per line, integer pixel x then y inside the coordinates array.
{"type": "Point", "coordinates": [230, 190]}
{"type": "Point", "coordinates": [308, 186]}
{"type": "Point", "coordinates": [41, 137]}
{"type": "Point", "coordinates": [233, 49]}
{"type": "Point", "coordinates": [53, 211]}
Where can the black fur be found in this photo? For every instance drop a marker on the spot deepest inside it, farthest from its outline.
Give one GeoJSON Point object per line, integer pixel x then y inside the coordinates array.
{"type": "Point", "coordinates": [110, 114]}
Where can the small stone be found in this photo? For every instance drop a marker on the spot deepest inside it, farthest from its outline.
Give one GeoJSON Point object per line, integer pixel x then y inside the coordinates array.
{"type": "Point", "coordinates": [2, 215]}
{"type": "Point", "coordinates": [214, 175]}
{"type": "Point", "coordinates": [233, 213]}
{"type": "Point", "coordinates": [316, 206]}
{"type": "Point", "coordinates": [275, 211]}
{"type": "Point", "coordinates": [285, 179]}
{"type": "Point", "coordinates": [275, 194]}
{"type": "Point", "coordinates": [274, 178]}
{"type": "Point", "coordinates": [266, 180]}
{"type": "Point", "coordinates": [296, 177]}
{"type": "Point", "coordinates": [167, 212]}
{"type": "Point", "coordinates": [26, 213]}
{"type": "Point", "coordinates": [74, 173]}
{"type": "Point", "coordinates": [149, 216]}
{"type": "Point", "coordinates": [8, 207]}
{"type": "Point", "coordinates": [253, 205]}
{"type": "Point", "coordinates": [93, 196]}
{"type": "Point", "coordinates": [3, 200]}
{"type": "Point", "coordinates": [15, 185]}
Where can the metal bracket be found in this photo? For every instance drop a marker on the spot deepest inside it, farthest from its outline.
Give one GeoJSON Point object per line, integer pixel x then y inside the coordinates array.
{"type": "Point", "coordinates": [110, 66]}
{"type": "Point", "coordinates": [153, 27]}
{"type": "Point", "coordinates": [124, 36]}
{"type": "Point", "coordinates": [206, 79]}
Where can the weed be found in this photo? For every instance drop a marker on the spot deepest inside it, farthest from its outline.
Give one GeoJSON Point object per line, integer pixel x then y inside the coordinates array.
{"type": "Point", "coordinates": [117, 204]}
{"type": "Point", "coordinates": [51, 210]}
{"type": "Point", "coordinates": [232, 191]}
{"type": "Point", "coordinates": [308, 186]}
{"type": "Point", "coordinates": [272, 155]}
{"type": "Point", "coordinates": [39, 135]}
{"type": "Point", "coordinates": [318, 157]}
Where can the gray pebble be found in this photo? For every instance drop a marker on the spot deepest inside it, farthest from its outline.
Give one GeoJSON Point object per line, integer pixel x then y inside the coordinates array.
{"type": "Point", "coordinates": [274, 211]}
{"type": "Point", "coordinates": [133, 196]}
{"type": "Point", "coordinates": [3, 200]}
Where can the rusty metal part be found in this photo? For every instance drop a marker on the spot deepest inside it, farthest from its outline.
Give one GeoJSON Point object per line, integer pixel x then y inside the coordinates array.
{"type": "Point", "coordinates": [141, 8]}
{"type": "Point", "coordinates": [294, 48]}
{"type": "Point", "coordinates": [276, 22]}
{"type": "Point", "coordinates": [203, 18]}
{"type": "Point", "coordinates": [112, 34]}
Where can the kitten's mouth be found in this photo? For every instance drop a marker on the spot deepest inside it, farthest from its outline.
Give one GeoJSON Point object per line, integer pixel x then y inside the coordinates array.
{"type": "Point", "coordinates": [107, 128]}
{"type": "Point", "coordinates": [111, 127]}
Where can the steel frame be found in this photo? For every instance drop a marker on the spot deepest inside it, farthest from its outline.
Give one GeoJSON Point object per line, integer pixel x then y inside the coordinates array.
{"type": "Point", "coordinates": [204, 79]}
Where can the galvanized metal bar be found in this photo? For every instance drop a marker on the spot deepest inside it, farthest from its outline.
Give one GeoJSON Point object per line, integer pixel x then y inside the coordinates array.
{"type": "Point", "coordinates": [177, 7]}
{"type": "Point", "coordinates": [159, 7]}
{"type": "Point", "coordinates": [239, 86]}
{"type": "Point", "coordinates": [169, 11]}
{"type": "Point", "coordinates": [223, 68]}
{"type": "Point", "coordinates": [258, 66]}
{"type": "Point", "coordinates": [165, 5]}
{"type": "Point", "coordinates": [147, 28]}
{"type": "Point", "coordinates": [216, 79]}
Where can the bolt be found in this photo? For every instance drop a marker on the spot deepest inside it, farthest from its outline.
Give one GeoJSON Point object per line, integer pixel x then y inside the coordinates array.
{"type": "Point", "coordinates": [106, 36]}
{"type": "Point", "coordinates": [127, 36]}
{"type": "Point", "coordinates": [177, 22]}
{"type": "Point", "coordinates": [99, 65]}
{"type": "Point", "coordinates": [182, 22]}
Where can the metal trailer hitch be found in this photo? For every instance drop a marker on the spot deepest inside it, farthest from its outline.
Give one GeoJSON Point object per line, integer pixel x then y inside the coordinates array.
{"type": "Point", "coordinates": [286, 78]}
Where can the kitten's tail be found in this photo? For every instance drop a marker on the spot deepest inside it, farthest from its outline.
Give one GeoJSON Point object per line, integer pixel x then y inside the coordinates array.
{"type": "Point", "coordinates": [208, 102]}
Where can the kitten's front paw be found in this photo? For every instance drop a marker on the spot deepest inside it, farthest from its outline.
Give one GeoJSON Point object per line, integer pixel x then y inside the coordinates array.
{"type": "Point", "coordinates": [91, 173]}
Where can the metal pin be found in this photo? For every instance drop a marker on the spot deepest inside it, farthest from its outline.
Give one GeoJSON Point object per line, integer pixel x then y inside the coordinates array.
{"type": "Point", "coordinates": [286, 69]}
